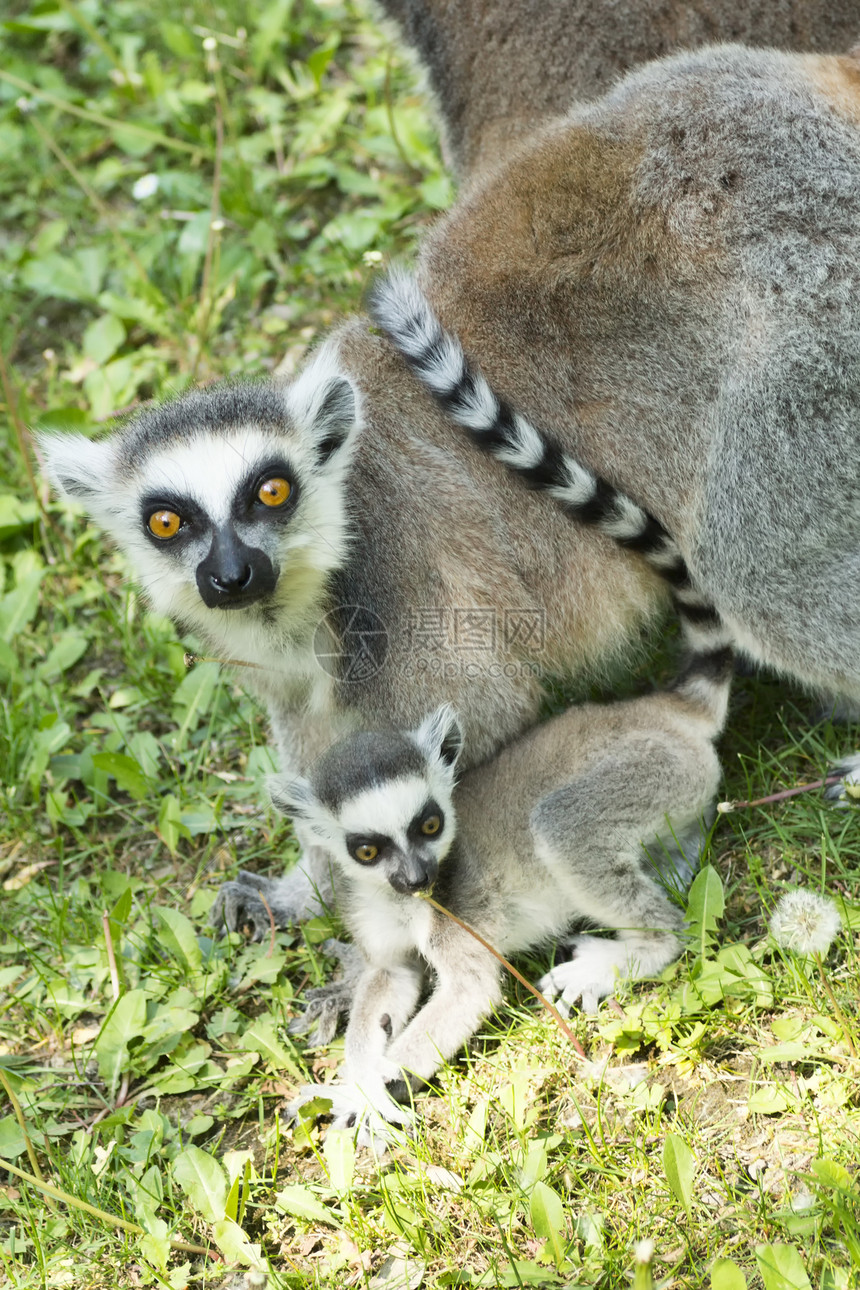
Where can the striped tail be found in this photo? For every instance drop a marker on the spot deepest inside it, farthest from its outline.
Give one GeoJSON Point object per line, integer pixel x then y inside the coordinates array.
{"type": "Point", "coordinates": [399, 307]}
{"type": "Point", "coordinates": [704, 683]}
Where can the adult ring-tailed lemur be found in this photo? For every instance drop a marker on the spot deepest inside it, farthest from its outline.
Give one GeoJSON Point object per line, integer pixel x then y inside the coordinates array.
{"type": "Point", "coordinates": [666, 278]}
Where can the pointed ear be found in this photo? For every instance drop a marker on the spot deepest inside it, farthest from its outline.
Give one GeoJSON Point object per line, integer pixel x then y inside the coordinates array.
{"type": "Point", "coordinates": [292, 797]}
{"type": "Point", "coordinates": [441, 735]}
{"type": "Point", "coordinates": [325, 404]}
{"type": "Point", "coordinates": [78, 467]}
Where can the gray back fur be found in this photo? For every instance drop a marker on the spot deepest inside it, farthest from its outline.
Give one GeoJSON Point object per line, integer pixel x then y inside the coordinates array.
{"type": "Point", "coordinates": [500, 69]}
{"type": "Point", "coordinates": [677, 271]}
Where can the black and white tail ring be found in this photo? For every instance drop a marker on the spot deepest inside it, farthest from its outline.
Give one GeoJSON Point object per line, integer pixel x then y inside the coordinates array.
{"type": "Point", "coordinates": [399, 307]}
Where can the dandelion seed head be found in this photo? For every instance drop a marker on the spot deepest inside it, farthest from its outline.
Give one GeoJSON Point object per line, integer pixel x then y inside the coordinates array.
{"type": "Point", "coordinates": [643, 1251]}
{"type": "Point", "coordinates": [802, 1201]}
{"type": "Point", "coordinates": [144, 187]}
{"type": "Point", "coordinates": [805, 922]}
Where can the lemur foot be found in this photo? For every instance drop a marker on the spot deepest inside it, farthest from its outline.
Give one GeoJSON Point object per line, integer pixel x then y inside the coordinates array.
{"type": "Point", "coordinates": [376, 1119]}
{"type": "Point", "coordinates": [590, 975]}
{"type": "Point", "coordinates": [847, 791]}
{"type": "Point", "coordinates": [328, 1003]}
{"type": "Point", "coordinates": [245, 903]}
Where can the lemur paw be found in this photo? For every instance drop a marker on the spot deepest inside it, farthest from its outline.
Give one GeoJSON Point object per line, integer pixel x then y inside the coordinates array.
{"type": "Point", "coordinates": [847, 791]}
{"type": "Point", "coordinates": [244, 904]}
{"type": "Point", "coordinates": [328, 1003]}
{"type": "Point", "coordinates": [589, 976]}
{"type": "Point", "coordinates": [377, 1121]}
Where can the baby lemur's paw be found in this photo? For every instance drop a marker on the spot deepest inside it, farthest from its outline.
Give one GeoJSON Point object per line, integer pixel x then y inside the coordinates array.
{"type": "Point", "coordinates": [244, 905]}
{"type": "Point", "coordinates": [328, 1003]}
{"type": "Point", "coordinates": [847, 791]}
{"type": "Point", "coordinates": [251, 903]}
{"type": "Point", "coordinates": [589, 976]}
{"type": "Point", "coordinates": [377, 1121]}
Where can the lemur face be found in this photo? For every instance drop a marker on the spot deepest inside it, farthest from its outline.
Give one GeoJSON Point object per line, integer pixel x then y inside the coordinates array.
{"type": "Point", "coordinates": [381, 802]}
{"type": "Point", "coordinates": [397, 831]}
{"type": "Point", "coordinates": [230, 498]}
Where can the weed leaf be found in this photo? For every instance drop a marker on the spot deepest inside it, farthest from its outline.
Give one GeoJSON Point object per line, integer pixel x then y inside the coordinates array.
{"type": "Point", "coordinates": [202, 1179]}
{"type": "Point", "coordinates": [831, 1174]}
{"type": "Point", "coordinates": [705, 907]}
{"type": "Point", "coordinates": [125, 771]}
{"type": "Point", "coordinates": [180, 936]}
{"type": "Point", "coordinates": [155, 1246]}
{"type": "Point", "coordinates": [769, 1099]}
{"type": "Point", "coordinates": [124, 1022]}
{"type": "Point", "coordinates": [781, 1268]}
{"type": "Point", "coordinates": [170, 826]}
{"type": "Point", "coordinates": [12, 1142]}
{"type": "Point", "coordinates": [547, 1215]}
{"type": "Point", "coordinates": [679, 1164]}
{"type": "Point", "coordinates": [234, 1244]}
{"type": "Point", "coordinates": [18, 607]}
{"type": "Point", "coordinates": [300, 1201]}
{"type": "Point", "coordinates": [339, 1152]}
{"type": "Point", "coordinates": [231, 1204]}
{"type": "Point", "coordinates": [726, 1275]}
{"type": "Point", "coordinates": [192, 699]}
{"type": "Point", "coordinates": [260, 1038]}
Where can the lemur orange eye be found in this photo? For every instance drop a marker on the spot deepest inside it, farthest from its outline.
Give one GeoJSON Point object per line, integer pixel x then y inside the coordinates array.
{"type": "Point", "coordinates": [431, 825]}
{"type": "Point", "coordinates": [366, 853]}
{"type": "Point", "coordinates": [274, 492]}
{"type": "Point", "coordinates": [164, 524]}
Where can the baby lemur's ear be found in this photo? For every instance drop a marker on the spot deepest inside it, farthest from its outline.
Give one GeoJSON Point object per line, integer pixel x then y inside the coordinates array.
{"type": "Point", "coordinates": [325, 404]}
{"type": "Point", "coordinates": [440, 736]}
{"type": "Point", "coordinates": [292, 797]}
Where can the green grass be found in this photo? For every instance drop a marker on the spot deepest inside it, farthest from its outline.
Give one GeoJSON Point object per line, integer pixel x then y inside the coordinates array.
{"type": "Point", "coordinates": [150, 1063]}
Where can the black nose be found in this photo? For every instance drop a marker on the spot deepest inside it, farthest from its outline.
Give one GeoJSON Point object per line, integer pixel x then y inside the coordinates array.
{"type": "Point", "coordinates": [229, 580]}
{"type": "Point", "coordinates": [410, 886]}
{"type": "Point", "coordinates": [413, 875]}
{"type": "Point", "coordinates": [233, 574]}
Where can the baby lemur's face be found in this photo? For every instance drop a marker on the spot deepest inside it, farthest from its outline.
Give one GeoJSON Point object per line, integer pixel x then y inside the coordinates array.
{"type": "Point", "coordinates": [381, 802]}
{"type": "Point", "coordinates": [228, 501]}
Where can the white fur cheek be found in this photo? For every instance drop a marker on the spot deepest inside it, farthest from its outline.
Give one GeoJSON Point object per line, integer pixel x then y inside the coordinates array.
{"type": "Point", "coordinates": [315, 542]}
{"type": "Point", "coordinates": [371, 879]}
{"type": "Point", "coordinates": [317, 827]}
{"type": "Point", "coordinates": [165, 578]}
{"type": "Point", "coordinates": [117, 513]}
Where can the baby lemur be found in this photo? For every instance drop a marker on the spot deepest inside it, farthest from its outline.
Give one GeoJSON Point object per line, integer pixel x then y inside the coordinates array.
{"type": "Point", "coordinates": [555, 829]}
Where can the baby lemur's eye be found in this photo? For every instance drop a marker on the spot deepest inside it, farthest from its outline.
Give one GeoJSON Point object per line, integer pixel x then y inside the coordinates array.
{"type": "Point", "coordinates": [164, 524]}
{"type": "Point", "coordinates": [431, 825]}
{"type": "Point", "coordinates": [366, 853]}
{"type": "Point", "coordinates": [274, 492]}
